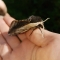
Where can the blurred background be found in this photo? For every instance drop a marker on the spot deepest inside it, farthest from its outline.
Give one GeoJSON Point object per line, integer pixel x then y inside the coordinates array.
{"type": "Point", "coordinates": [21, 9]}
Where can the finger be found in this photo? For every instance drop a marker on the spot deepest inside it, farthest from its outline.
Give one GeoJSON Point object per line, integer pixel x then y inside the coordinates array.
{"type": "Point", "coordinates": [36, 37]}
{"type": "Point", "coordinates": [24, 50]}
{"type": "Point", "coordinates": [8, 19]}
{"type": "Point", "coordinates": [4, 47]}
{"type": "Point", "coordinates": [12, 41]}
{"type": "Point", "coordinates": [3, 9]}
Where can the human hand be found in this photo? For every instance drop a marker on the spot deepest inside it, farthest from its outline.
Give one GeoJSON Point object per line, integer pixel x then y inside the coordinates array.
{"type": "Point", "coordinates": [33, 47]}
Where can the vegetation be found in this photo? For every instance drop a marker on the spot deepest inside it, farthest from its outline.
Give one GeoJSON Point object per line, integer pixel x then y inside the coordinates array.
{"type": "Point", "coordinates": [21, 9]}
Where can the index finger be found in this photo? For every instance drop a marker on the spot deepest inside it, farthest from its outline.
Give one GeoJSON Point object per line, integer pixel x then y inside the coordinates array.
{"type": "Point", "coordinates": [8, 19]}
{"type": "Point", "coordinates": [37, 38]}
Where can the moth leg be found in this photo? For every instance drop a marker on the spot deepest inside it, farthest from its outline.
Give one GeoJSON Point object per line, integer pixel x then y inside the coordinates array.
{"type": "Point", "coordinates": [18, 37]}
{"type": "Point", "coordinates": [33, 29]}
{"type": "Point", "coordinates": [40, 27]}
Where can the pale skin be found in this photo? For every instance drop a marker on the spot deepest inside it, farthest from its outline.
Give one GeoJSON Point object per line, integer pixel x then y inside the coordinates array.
{"type": "Point", "coordinates": [32, 47]}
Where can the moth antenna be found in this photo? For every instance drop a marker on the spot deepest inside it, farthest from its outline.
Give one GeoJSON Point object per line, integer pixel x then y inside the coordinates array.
{"type": "Point", "coordinates": [46, 19]}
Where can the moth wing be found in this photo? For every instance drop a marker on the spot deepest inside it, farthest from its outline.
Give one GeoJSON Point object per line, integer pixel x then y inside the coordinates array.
{"type": "Point", "coordinates": [16, 25]}
{"type": "Point", "coordinates": [13, 23]}
{"type": "Point", "coordinates": [34, 19]}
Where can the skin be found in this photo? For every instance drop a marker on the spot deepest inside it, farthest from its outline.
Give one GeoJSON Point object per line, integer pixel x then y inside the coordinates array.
{"type": "Point", "coordinates": [32, 47]}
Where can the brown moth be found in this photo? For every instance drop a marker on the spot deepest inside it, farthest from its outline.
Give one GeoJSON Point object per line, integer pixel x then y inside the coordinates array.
{"type": "Point", "coordinates": [21, 26]}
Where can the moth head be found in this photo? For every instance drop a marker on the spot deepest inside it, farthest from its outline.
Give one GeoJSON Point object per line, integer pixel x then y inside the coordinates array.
{"type": "Point", "coordinates": [3, 9]}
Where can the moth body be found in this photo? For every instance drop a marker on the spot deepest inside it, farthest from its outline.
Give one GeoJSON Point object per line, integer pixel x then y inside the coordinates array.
{"type": "Point", "coordinates": [22, 26]}
{"type": "Point", "coordinates": [27, 27]}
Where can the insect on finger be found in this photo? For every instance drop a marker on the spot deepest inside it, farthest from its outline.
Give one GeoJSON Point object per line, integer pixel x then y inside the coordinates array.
{"type": "Point", "coordinates": [22, 26]}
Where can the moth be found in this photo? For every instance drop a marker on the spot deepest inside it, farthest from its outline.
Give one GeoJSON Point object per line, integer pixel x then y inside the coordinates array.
{"type": "Point", "coordinates": [22, 26]}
